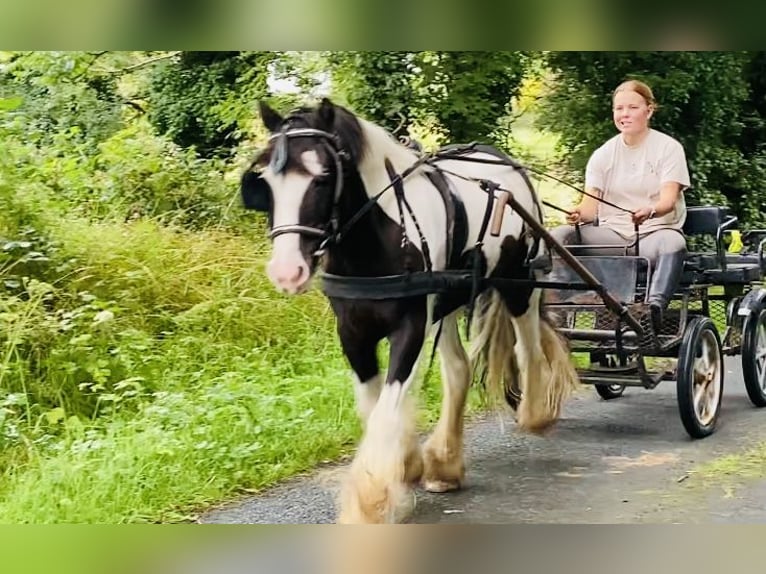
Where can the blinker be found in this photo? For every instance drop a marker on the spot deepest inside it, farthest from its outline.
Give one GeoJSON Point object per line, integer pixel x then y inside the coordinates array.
{"type": "Point", "coordinates": [279, 154]}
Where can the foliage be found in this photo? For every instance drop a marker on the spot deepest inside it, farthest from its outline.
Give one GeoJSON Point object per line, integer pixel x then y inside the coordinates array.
{"type": "Point", "coordinates": [62, 95]}
{"type": "Point", "coordinates": [469, 92]}
{"type": "Point", "coordinates": [464, 93]}
{"type": "Point", "coordinates": [378, 85]}
{"type": "Point", "coordinates": [206, 100]}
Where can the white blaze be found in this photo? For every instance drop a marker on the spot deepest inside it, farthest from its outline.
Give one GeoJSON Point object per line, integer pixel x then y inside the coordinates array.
{"type": "Point", "coordinates": [287, 269]}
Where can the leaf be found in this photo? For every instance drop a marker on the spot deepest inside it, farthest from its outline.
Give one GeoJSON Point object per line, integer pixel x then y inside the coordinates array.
{"type": "Point", "coordinates": [55, 415]}
{"type": "Point", "coordinates": [10, 104]}
{"type": "Point", "coordinates": [11, 245]}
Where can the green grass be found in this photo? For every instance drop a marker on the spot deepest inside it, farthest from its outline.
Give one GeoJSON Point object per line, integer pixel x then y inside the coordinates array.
{"type": "Point", "coordinates": [188, 446]}
{"type": "Point", "coordinates": [204, 381]}
{"type": "Point", "coordinates": [748, 464]}
{"type": "Point", "coordinates": [729, 472]}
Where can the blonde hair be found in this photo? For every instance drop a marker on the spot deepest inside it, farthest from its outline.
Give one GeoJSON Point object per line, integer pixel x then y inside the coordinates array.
{"type": "Point", "coordinates": [640, 88]}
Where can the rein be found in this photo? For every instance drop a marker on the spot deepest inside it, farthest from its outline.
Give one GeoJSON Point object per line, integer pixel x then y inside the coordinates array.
{"type": "Point", "coordinates": [449, 154]}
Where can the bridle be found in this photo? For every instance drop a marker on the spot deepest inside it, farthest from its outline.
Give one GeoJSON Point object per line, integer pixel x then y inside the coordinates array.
{"type": "Point", "coordinates": [277, 164]}
{"type": "Point", "coordinates": [331, 232]}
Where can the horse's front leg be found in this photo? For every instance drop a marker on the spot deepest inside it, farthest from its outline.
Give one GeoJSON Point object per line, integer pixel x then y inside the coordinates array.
{"type": "Point", "coordinates": [361, 353]}
{"type": "Point", "coordinates": [443, 451]}
{"type": "Point", "coordinates": [388, 461]}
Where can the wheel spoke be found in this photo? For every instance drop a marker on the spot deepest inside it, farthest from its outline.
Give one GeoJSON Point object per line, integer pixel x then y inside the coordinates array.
{"type": "Point", "coordinates": [699, 377]}
{"type": "Point", "coordinates": [699, 391]}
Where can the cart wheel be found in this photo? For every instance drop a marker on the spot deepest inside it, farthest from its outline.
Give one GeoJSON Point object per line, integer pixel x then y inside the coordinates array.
{"type": "Point", "coordinates": [699, 379]}
{"type": "Point", "coordinates": [754, 356]}
{"type": "Point", "coordinates": [609, 392]}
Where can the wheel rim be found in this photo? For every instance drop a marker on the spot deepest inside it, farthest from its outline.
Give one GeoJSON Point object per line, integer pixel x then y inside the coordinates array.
{"type": "Point", "coordinates": [707, 377]}
{"type": "Point", "coordinates": [615, 388]}
{"type": "Point", "coordinates": [760, 352]}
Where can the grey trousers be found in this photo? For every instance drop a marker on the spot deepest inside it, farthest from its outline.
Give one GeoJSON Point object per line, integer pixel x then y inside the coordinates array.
{"type": "Point", "coordinates": [651, 245]}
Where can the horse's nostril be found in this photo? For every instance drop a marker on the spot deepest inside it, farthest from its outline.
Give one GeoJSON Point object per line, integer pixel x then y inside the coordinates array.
{"type": "Point", "coordinates": [301, 276]}
{"type": "Point", "coordinates": [288, 276]}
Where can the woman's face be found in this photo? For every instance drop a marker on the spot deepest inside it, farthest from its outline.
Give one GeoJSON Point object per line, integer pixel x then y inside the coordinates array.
{"type": "Point", "coordinates": [631, 112]}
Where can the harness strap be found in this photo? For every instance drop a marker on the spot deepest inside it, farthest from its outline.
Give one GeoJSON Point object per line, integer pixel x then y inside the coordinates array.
{"type": "Point", "coordinates": [401, 199]}
{"type": "Point", "coordinates": [374, 199]}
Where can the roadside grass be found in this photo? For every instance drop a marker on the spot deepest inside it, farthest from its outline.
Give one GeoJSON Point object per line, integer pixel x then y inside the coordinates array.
{"type": "Point", "coordinates": [188, 446]}
{"type": "Point", "coordinates": [728, 473]}
{"type": "Point", "coordinates": [749, 464]}
{"type": "Point", "coordinates": [201, 381]}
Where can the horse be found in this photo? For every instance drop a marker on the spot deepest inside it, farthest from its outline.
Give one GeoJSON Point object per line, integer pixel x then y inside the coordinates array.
{"type": "Point", "coordinates": [344, 196]}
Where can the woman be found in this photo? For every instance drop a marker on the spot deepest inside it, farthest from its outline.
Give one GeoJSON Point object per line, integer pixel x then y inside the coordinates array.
{"type": "Point", "coordinates": [644, 172]}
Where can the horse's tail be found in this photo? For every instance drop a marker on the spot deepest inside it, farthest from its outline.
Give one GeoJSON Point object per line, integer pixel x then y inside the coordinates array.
{"type": "Point", "coordinates": [534, 383]}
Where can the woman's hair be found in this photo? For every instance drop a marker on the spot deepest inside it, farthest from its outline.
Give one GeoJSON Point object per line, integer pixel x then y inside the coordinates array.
{"type": "Point", "coordinates": [640, 88]}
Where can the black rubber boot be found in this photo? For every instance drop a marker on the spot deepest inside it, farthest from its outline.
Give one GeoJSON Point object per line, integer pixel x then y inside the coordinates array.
{"type": "Point", "coordinates": [665, 279]}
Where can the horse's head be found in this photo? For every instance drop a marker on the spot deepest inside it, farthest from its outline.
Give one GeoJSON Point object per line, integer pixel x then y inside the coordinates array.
{"type": "Point", "coordinates": [298, 180]}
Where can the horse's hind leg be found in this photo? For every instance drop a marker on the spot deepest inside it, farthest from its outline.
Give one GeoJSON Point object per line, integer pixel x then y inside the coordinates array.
{"type": "Point", "coordinates": [388, 461]}
{"type": "Point", "coordinates": [443, 451]}
{"type": "Point", "coordinates": [546, 372]}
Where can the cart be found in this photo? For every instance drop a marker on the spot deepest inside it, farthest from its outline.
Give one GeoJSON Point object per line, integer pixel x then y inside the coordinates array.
{"type": "Point", "coordinates": [719, 309]}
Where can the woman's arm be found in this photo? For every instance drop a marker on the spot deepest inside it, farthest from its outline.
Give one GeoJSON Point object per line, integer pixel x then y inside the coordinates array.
{"type": "Point", "coordinates": [669, 193]}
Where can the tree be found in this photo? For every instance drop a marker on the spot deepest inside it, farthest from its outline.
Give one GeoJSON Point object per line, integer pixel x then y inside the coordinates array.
{"type": "Point", "coordinates": [377, 85]}
{"type": "Point", "coordinates": [63, 95]}
{"type": "Point", "coordinates": [468, 92]}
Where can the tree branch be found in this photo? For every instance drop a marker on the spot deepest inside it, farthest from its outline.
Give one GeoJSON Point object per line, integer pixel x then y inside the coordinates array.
{"type": "Point", "coordinates": [146, 63]}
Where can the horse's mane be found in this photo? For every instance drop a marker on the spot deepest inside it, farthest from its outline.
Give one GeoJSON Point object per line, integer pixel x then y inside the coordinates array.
{"type": "Point", "coordinates": [380, 142]}
{"type": "Point", "coordinates": [363, 139]}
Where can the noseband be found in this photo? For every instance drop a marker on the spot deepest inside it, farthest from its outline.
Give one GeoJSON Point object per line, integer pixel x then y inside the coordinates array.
{"type": "Point", "coordinates": [277, 164]}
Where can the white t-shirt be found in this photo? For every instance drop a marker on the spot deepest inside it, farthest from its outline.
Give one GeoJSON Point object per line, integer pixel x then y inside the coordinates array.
{"type": "Point", "coordinates": [631, 177]}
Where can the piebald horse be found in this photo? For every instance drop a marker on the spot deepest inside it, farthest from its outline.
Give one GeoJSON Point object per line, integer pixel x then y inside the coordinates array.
{"type": "Point", "coordinates": [342, 194]}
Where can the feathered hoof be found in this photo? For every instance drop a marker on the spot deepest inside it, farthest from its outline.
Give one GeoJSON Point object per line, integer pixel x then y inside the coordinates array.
{"type": "Point", "coordinates": [442, 475]}
{"type": "Point", "coordinates": [368, 503]}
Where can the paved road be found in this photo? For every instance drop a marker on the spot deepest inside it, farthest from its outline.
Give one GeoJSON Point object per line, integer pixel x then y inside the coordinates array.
{"type": "Point", "coordinates": [622, 461]}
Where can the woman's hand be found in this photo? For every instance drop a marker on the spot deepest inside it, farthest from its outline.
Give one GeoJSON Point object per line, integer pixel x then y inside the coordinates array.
{"type": "Point", "coordinates": [641, 215]}
{"type": "Point", "coordinates": [574, 217]}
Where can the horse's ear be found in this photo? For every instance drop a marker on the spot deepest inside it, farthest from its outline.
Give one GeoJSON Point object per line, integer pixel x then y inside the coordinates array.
{"type": "Point", "coordinates": [327, 113]}
{"type": "Point", "coordinates": [271, 119]}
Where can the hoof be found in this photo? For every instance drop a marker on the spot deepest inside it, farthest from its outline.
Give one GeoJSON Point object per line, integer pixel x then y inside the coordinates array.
{"type": "Point", "coordinates": [440, 486]}
{"type": "Point", "coordinates": [539, 427]}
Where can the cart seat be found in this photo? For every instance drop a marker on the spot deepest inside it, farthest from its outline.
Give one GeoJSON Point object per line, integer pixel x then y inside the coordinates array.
{"type": "Point", "coordinates": [707, 220]}
{"type": "Point", "coordinates": [717, 267]}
